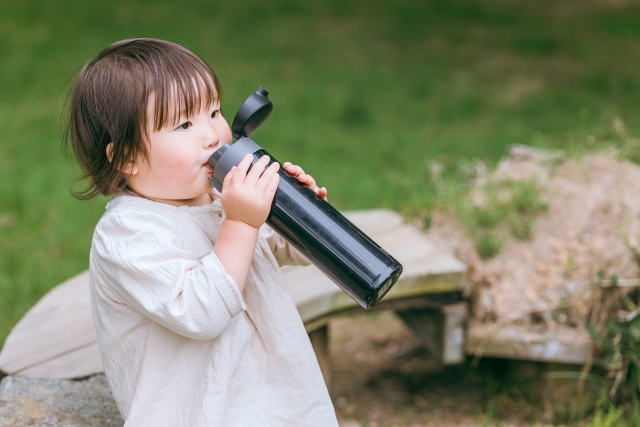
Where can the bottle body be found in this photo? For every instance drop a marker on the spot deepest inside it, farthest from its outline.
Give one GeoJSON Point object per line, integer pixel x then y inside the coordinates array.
{"type": "Point", "coordinates": [330, 241]}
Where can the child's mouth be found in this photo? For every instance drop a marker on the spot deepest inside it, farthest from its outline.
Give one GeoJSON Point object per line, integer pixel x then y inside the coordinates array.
{"type": "Point", "coordinates": [210, 169]}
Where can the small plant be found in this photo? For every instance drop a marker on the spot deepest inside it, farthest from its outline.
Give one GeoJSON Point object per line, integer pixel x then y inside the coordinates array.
{"type": "Point", "coordinates": [488, 245]}
{"type": "Point", "coordinates": [499, 211]}
{"type": "Point", "coordinates": [611, 131]}
{"type": "Point", "coordinates": [616, 336]}
{"type": "Point", "coordinates": [608, 415]}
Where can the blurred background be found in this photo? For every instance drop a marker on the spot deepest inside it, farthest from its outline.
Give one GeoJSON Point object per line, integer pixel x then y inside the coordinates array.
{"type": "Point", "coordinates": [367, 95]}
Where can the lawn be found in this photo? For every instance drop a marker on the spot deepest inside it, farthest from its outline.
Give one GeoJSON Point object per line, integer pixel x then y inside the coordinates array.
{"type": "Point", "coordinates": [366, 95]}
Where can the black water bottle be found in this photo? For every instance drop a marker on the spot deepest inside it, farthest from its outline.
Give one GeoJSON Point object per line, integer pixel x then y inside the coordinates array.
{"type": "Point", "coordinates": [331, 242]}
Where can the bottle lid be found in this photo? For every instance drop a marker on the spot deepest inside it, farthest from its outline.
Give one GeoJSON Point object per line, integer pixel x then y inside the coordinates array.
{"type": "Point", "coordinates": [255, 110]}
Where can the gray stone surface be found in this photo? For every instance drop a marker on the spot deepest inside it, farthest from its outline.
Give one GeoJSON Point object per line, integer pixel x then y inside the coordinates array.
{"type": "Point", "coordinates": [67, 403]}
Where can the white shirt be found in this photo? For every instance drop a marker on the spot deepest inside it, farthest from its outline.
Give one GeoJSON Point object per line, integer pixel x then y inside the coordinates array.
{"type": "Point", "coordinates": [179, 343]}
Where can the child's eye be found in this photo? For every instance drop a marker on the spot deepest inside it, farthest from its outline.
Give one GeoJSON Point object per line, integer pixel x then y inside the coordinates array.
{"type": "Point", "coordinates": [215, 114]}
{"type": "Point", "coordinates": [184, 126]}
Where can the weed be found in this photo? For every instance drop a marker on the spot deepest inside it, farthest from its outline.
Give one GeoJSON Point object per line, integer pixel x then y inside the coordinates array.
{"type": "Point", "coordinates": [616, 335]}
{"type": "Point", "coordinates": [608, 415]}
{"type": "Point", "coordinates": [488, 245]}
{"type": "Point", "coordinates": [611, 132]}
{"type": "Point", "coordinates": [501, 210]}
{"type": "Point", "coordinates": [488, 420]}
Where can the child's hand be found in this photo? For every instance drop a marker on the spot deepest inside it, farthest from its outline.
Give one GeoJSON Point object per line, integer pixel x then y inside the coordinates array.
{"type": "Point", "coordinates": [247, 197]}
{"type": "Point", "coordinates": [305, 179]}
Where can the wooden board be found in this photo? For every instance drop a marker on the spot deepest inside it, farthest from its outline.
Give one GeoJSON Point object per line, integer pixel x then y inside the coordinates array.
{"type": "Point", "coordinates": [562, 344]}
{"type": "Point", "coordinates": [56, 338]}
{"type": "Point", "coordinates": [427, 269]}
{"type": "Point", "coordinates": [52, 332]}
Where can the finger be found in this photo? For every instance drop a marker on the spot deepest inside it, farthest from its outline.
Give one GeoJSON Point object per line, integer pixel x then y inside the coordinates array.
{"type": "Point", "coordinates": [242, 168]}
{"type": "Point", "coordinates": [308, 181]}
{"type": "Point", "coordinates": [286, 166]}
{"type": "Point", "coordinates": [294, 170]}
{"type": "Point", "coordinates": [266, 177]}
{"type": "Point", "coordinates": [322, 193]}
{"type": "Point", "coordinates": [227, 179]}
{"type": "Point", "coordinates": [257, 170]}
{"type": "Point", "coordinates": [271, 189]}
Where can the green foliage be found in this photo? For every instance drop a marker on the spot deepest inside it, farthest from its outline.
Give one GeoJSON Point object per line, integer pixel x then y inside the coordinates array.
{"type": "Point", "coordinates": [488, 416]}
{"type": "Point", "coordinates": [366, 94]}
{"type": "Point", "coordinates": [504, 209]}
{"type": "Point", "coordinates": [610, 417]}
{"type": "Point", "coordinates": [611, 132]}
{"type": "Point", "coordinates": [618, 344]}
{"type": "Point", "coordinates": [488, 244]}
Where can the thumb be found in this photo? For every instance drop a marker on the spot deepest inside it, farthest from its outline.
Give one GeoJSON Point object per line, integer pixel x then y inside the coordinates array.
{"type": "Point", "coordinates": [227, 178]}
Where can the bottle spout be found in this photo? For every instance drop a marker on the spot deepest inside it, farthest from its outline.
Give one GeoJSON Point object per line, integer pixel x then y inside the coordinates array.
{"type": "Point", "coordinates": [215, 157]}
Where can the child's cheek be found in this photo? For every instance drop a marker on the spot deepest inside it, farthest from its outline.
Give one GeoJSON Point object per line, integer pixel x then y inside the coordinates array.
{"type": "Point", "coordinates": [176, 159]}
{"type": "Point", "coordinates": [182, 169]}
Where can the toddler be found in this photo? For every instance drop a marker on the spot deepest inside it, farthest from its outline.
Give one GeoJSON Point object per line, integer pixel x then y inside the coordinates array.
{"type": "Point", "coordinates": [195, 323]}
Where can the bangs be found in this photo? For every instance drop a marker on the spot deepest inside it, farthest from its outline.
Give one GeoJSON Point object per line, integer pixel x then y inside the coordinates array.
{"type": "Point", "coordinates": [184, 85]}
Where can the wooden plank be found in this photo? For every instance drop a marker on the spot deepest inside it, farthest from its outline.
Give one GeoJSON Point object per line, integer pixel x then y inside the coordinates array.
{"type": "Point", "coordinates": [562, 344]}
{"type": "Point", "coordinates": [455, 319]}
{"type": "Point", "coordinates": [58, 324]}
{"type": "Point", "coordinates": [374, 222]}
{"type": "Point", "coordinates": [77, 363]}
{"type": "Point", "coordinates": [426, 268]}
{"type": "Point", "coordinates": [56, 338]}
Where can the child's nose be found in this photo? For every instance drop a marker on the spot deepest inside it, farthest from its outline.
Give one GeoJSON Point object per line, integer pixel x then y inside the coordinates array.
{"type": "Point", "coordinates": [211, 137]}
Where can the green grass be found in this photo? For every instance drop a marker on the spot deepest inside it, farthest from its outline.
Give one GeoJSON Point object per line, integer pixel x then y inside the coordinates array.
{"type": "Point", "coordinates": [366, 94]}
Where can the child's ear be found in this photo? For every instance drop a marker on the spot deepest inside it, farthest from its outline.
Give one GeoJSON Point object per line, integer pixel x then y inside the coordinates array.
{"type": "Point", "coordinates": [129, 169]}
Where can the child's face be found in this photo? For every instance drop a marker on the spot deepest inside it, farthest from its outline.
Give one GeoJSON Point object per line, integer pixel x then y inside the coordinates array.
{"type": "Point", "coordinates": [177, 171]}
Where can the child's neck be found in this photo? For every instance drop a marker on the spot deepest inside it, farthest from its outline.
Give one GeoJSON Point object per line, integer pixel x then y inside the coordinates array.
{"type": "Point", "coordinates": [203, 199]}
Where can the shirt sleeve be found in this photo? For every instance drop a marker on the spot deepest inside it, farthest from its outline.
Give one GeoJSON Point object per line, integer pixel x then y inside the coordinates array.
{"type": "Point", "coordinates": [142, 258]}
{"type": "Point", "coordinates": [284, 253]}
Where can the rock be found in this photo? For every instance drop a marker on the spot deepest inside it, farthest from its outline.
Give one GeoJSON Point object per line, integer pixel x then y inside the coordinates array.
{"type": "Point", "coordinates": [64, 403]}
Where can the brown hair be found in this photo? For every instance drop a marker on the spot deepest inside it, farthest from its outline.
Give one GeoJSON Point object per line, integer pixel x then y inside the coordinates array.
{"type": "Point", "coordinates": [109, 104]}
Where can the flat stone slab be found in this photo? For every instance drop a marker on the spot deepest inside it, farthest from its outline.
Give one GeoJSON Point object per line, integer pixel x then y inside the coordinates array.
{"type": "Point", "coordinates": [60, 403]}
{"type": "Point", "coordinates": [28, 402]}
{"type": "Point", "coordinates": [56, 339]}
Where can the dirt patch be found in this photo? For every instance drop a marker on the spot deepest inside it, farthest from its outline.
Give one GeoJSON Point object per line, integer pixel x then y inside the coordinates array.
{"type": "Point", "coordinates": [381, 377]}
{"type": "Point", "coordinates": [587, 239]}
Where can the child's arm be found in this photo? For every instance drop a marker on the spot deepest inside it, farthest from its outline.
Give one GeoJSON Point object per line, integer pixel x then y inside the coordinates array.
{"type": "Point", "coordinates": [246, 200]}
{"type": "Point", "coordinates": [139, 259]}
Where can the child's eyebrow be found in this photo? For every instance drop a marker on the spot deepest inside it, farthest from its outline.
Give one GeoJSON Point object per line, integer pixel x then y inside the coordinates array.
{"type": "Point", "coordinates": [183, 112]}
